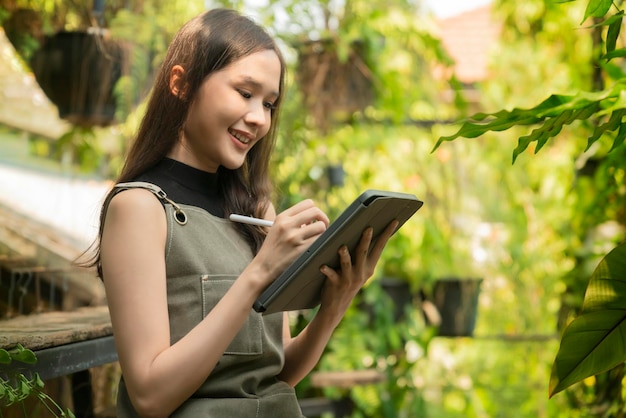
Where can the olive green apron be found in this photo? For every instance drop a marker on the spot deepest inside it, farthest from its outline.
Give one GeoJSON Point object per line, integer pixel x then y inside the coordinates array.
{"type": "Point", "coordinates": [204, 255]}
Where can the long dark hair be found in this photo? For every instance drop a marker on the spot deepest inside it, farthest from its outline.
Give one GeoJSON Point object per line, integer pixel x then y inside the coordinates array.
{"type": "Point", "coordinates": [204, 45]}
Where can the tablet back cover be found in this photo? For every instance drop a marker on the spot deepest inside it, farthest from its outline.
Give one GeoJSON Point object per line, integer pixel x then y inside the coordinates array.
{"type": "Point", "coordinates": [299, 286]}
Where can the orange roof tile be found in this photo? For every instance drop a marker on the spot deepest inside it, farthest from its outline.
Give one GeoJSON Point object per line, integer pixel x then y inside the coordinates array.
{"type": "Point", "coordinates": [469, 37]}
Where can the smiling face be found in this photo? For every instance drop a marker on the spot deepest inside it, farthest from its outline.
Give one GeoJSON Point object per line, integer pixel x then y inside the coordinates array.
{"type": "Point", "coordinates": [231, 112]}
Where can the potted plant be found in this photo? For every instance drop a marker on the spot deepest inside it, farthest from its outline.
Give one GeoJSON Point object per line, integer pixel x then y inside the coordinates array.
{"type": "Point", "coordinates": [334, 78]}
{"type": "Point", "coordinates": [78, 71]}
{"type": "Point", "coordinates": [428, 270]}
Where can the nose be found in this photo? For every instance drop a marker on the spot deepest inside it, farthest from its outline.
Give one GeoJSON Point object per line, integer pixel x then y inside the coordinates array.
{"type": "Point", "coordinates": [257, 114]}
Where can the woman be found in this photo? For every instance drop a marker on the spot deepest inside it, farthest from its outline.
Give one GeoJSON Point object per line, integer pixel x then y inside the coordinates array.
{"type": "Point", "coordinates": [180, 278]}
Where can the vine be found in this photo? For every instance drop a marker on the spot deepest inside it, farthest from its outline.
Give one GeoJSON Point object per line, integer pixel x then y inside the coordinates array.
{"type": "Point", "coordinates": [15, 387]}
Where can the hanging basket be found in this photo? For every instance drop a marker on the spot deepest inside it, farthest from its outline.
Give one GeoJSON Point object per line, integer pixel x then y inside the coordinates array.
{"type": "Point", "coordinates": [78, 72]}
{"type": "Point", "coordinates": [457, 303]}
{"type": "Point", "coordinates": [332, 86]}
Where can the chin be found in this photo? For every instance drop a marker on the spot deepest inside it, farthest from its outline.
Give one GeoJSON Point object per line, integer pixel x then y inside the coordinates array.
{"type": "Point", "coordinates": [233, 165]}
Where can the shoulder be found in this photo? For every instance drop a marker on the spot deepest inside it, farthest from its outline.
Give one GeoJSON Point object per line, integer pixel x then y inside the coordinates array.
{"type": "Point", "coordinates": [136, 199]}
{"type": "Point", "coordinates": [135, 206]}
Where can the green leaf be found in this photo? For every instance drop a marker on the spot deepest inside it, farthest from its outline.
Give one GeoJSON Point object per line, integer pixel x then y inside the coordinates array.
{"type": "Point", "coordinates": [540, 134]}
{"type": "Point", "coordinates": [550, 130]}
{"type": "Point", "coordinates": [37, 381]}
{"type": "Point", "coordinates": [596, 340]}
{"type": "Point", "coordinates": [553, 106]}
{"type": "Point", "coordinates": [618, 53]}
{"type": "Point", "coordinates": [556, 111]}
{"type": "Point", "coordinates": [597, 8]}
{"type": "Point", "coordinates": [23, 355]}
{"type": "Point", "coordinates": [552, 127]}
{"type": "Point", "coordinates": [619, 139]}
{"type": "Point", "coordinates": [613, 32]}
{"type": "Point", "coordinates": [23, 389]}
{"type": "Point", "coordinates": [5, 357]}
{"type": "Point", "coordinates": [7, 397]}
{"type": "Point", "coordinates": [607, 22]}
{"type": "Point", "coordinates": [607, 287]}
{"type": "Point", "coordinates": [613, 70]}
{"type": "Point", "coordinates": [612, 124]}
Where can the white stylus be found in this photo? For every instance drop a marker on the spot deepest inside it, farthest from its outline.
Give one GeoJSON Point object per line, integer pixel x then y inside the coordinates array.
{"type": "Point", "coordinates": [250, 220]}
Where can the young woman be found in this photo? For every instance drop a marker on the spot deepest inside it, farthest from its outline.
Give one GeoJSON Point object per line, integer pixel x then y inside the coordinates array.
{"type": "Point", "coordinates": [180, 278]}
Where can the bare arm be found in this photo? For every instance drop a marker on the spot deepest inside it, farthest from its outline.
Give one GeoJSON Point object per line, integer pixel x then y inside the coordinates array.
{"type": "Point", "coordinates": [304, 351]}
{"type": "Point", "coordinates": [160, 376]}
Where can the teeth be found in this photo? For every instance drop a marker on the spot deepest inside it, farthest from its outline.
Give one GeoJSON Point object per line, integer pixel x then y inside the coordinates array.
{"type": "Point", "coordinates": [241, 138]}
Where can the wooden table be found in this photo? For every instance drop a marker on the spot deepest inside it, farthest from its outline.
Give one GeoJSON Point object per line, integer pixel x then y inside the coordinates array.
{"type": "Point", "coordinates": [65, 343]}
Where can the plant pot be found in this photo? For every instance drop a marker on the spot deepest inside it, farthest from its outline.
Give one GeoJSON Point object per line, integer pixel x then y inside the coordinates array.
{"type": "Point", "coordinates": [336, 175]}
{"type": "Point", "coordinates": [78, 72]}
{"type": "Point", "coordinates": [400, 293]}
{"type": "Point", "coordinates": [333, 85]}
{"type": "Point", "coordinates": [456, 300]}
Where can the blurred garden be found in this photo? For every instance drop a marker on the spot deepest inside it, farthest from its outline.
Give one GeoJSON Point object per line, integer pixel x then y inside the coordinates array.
{"type": "Point", "coordinates": [517, 206]}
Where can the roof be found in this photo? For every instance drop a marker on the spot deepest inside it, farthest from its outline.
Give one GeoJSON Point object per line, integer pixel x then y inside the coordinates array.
{"type": "Point", "coordinates": [469, 38]}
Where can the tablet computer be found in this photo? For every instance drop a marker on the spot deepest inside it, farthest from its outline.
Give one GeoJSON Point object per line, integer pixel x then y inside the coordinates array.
{"type": "Point", "coordinates": [300, 285]}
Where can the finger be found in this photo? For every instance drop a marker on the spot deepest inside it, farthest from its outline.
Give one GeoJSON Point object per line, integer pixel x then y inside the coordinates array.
{"type": "Point", "coordinates": [382, 239]}
{"type": "Point", "coordinates": [312, 230]}
{"type": "Point", "coordinates": [330, 273]}
{"type": "Point", "coordinates": [345, 260]}
{"type": "Point", "coordinates": [299, 207]}
{"type": "Point", "coordinates": [310, 215]}
{"type": "Point", "coordinates": [303, 213]}
{"type": "Point", "coordinates": [364, 245]}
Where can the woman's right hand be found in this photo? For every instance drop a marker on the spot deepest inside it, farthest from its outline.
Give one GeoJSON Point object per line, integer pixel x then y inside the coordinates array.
{"type": "Point", "coordinates": [294, 230]}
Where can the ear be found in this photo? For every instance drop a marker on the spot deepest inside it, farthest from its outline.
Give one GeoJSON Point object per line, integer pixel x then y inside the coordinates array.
{"type": "Point", "coordinates": [177, 88]}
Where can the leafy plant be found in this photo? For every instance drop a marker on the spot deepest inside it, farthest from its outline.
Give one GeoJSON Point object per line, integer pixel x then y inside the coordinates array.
{"type": "Point", "coordinates": [358, 344]}
{"type": "Point", "coordinates": [552, 114]}
{"type": "Point", "coordinates": [594, 342]}
{"type": "Point", "coordinates": [16, 388]}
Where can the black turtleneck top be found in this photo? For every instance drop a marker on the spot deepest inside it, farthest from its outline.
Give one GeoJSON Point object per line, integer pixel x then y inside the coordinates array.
{"type": "Point", "coordinates": [187, 185]}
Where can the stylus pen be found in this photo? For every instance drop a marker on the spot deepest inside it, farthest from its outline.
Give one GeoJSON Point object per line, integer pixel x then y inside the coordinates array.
{"type": "Point", "coordinates": [250, 220]}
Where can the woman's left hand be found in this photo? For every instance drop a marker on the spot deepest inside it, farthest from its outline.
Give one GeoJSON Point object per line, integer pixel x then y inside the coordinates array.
{"type": "Point", "coordinates": [343, 284]}
{"type": "Point", "coordinates": [303, 351]}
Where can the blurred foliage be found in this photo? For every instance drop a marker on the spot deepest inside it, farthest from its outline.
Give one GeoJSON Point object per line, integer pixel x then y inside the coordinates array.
{"type": "Point", "coordinates": [588, 347]}
{"type": "Point", "coordinates": [523, 227]}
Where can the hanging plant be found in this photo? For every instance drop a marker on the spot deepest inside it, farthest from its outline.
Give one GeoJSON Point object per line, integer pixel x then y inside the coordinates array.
{"type": "Point", "coordinates": [78, 71]}
{"type": "Point", "coordinates": [334, 85]}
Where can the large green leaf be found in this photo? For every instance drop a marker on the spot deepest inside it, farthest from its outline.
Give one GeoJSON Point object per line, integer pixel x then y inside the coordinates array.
{"type": "Point", "coordinates": [550, 116]}
{"type": "Point", "coordinates": [596, 340]}
{"type": "Point", "coordinates": [613, 32]}
{"type": "Point", "coordinates": [597, 8]}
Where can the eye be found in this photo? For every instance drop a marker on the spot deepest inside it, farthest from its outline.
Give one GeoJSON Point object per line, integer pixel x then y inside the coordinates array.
{"type": "Point", "coordinates": [244, 94]}
{"type": "Point", "coordinates": [270, 105]}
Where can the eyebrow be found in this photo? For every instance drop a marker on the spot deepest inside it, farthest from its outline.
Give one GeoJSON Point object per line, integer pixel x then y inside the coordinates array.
{"type": "Point", "coordinates": [257, 85]}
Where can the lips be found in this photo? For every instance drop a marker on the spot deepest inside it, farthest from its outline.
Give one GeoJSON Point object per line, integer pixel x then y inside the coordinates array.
{"type": "Point", "coordinates": [240, 137]}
